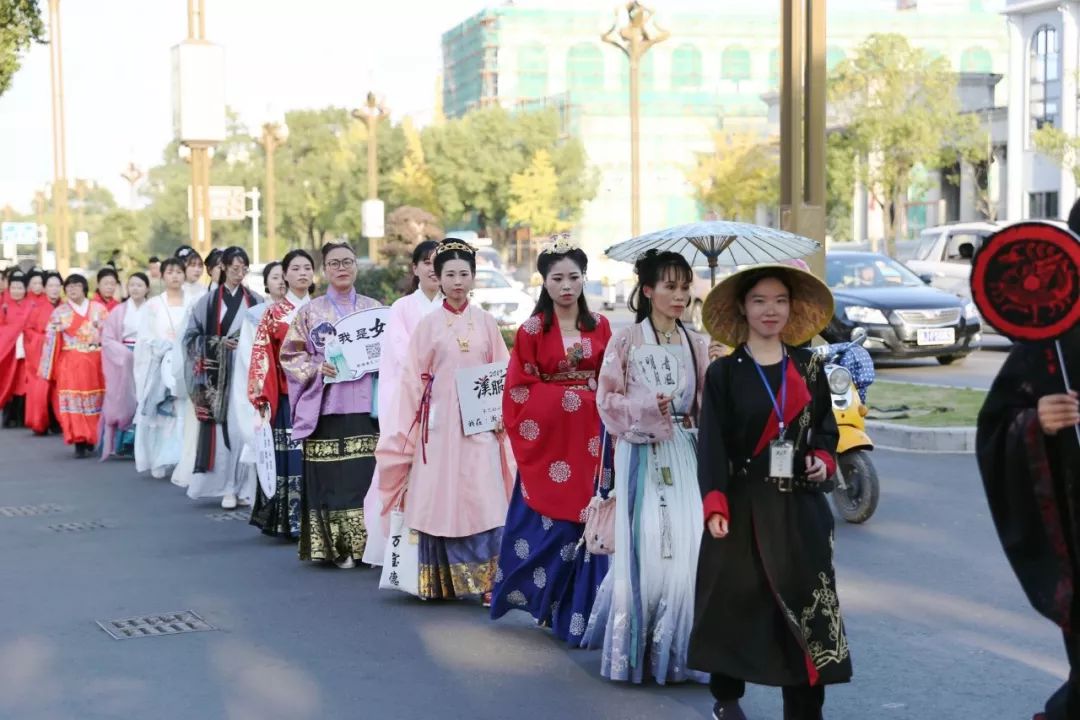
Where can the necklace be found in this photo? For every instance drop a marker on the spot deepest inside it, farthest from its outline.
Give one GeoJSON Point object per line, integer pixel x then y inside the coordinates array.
{"type": "Point", "coordinates": [462, 342]}
{"type": "Point", "coordinates": [668, 334]}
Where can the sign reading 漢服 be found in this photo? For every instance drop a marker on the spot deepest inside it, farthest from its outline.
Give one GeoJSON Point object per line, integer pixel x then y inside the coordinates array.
{"type": "Point", "coordinates": [480, 391]}
{"type": "Point", "coordinates": [356, 347]}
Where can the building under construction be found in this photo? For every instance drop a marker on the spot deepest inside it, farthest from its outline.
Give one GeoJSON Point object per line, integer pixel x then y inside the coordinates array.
{"type": "Point", "coordinates": [712, 73]}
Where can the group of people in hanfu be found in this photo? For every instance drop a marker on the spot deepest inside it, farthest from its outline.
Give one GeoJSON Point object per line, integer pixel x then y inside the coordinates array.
{"type": "Point", "coordinates": [635, 491]}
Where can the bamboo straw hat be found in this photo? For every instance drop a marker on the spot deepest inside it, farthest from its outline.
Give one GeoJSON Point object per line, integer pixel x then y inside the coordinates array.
{"type": "Point", "coordinates": [811, 305]}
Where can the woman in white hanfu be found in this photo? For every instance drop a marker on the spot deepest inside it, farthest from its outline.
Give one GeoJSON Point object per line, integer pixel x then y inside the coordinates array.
{"type": "Point", "coordinates": [405, 314]}
{"type": "Point", "coordinates": [160, 409]}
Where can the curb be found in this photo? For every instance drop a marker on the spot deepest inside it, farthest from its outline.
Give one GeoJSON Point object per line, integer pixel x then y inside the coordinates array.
{"type": "Point", "coordinates": [891, 436]}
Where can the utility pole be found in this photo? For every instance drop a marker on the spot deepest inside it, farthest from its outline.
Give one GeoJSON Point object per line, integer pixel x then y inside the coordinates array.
{"type": "Point", "coordinates": [371, 113]}
{"type": "Point", "coordinates": [635, 39]}
{"type": "Point", "coordinates": [802, 123]}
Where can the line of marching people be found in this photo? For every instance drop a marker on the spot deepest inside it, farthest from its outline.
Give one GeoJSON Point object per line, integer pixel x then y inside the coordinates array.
{"type": "Point", "coordinates": [641, 495]}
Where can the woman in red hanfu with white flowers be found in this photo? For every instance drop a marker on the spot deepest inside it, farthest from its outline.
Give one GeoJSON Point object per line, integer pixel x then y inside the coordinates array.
{"type": "Point", "coordinates": [549, 410]}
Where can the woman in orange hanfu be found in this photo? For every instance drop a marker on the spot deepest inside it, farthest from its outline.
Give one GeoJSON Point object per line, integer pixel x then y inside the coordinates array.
{"type": "Point", "coordinates": [72, 356]}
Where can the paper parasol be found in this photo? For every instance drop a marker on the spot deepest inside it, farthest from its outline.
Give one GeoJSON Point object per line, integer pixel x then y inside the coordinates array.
{"type": "Point", "coordinates": [1025, 280]}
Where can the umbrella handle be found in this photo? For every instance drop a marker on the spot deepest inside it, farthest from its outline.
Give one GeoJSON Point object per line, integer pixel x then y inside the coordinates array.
{"type": "Point", "coordinates": [1065, 379]}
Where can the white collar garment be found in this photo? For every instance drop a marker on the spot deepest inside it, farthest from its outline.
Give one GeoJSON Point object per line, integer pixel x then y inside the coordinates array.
{"type": "Point", "coordinates": [297, 302]}
{"type": "Point", "coordinates": [427, 305]}
{"type": "Point", "coordinates": [82, 308]}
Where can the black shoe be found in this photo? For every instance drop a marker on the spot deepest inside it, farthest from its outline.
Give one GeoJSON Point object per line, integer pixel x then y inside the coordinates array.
{"type": "Point", "coordinates": [728, 710]}
{"type": "Point", "coordinates": [80, 451]}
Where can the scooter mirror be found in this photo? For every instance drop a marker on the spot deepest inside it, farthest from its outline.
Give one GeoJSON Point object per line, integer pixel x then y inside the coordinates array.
{"type": "Point", "coordinates": [858, 335]}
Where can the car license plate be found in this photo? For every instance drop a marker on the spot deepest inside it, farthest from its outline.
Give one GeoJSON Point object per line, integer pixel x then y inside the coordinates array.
{"type": "Point", "coordinates": [936, 336]}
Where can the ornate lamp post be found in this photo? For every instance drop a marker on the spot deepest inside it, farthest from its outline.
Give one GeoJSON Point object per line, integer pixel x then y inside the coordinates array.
{"type": "Point", "coordinates": [274, 133]}
{"type": "Point", "coordinates": [635, 38]}
{"type": "Point", "coordinates": [372, 111]}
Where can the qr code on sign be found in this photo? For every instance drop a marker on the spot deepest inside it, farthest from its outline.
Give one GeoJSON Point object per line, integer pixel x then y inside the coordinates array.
{"type": "Point", "coordinates": [374, 352]}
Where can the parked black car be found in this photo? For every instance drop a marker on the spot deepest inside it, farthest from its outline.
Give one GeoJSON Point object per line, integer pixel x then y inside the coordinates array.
{"type": "Point", "coordinates": [903, 316]}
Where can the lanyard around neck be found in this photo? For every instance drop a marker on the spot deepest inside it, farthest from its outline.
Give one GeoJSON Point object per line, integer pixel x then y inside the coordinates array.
{"type": "Point", "coordinates": [780, 406]}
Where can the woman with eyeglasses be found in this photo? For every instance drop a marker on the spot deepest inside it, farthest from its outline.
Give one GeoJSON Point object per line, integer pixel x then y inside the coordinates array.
{"type": "Point", "coordinates": [210, 343]}
{"type": "Point", "coordinates": [333, 419]}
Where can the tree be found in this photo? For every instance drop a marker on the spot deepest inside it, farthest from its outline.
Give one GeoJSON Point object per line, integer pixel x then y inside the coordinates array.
{"type": "Point", "coordinates": [901, 111]}
{"type": "Point", "coordinates": [741, 173]}
{"type": "Point", "coordinates": [473, 158]}
{"type": "Point", "coordinates": [839, 187]}
{"type": "Point", "coordinates": [534, 196]}
{"type": "Point", "coordinates": [1059, 146]}
{"type": "Point", "coordinates": [20, 26]}
{"type": "Point", "coordinates": [407, 226]}
{"type": "Point", "coordinates": [122, 232]}
{"type": "Point", "coordinates": [411, 184]}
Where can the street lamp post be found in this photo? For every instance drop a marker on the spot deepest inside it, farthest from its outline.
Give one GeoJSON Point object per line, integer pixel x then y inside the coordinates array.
{"type": "Point", "coordinates": [372, 111]}
{"type": "Point", "coordinates": [80, 193]}
{"type": "Point", "coordinates": [635, 38]}
{"type": "Point", "coordinates": [274, 133]}
{"type": "Point", "coordinates": [802, 123]}
{"type": "Point", "coordinates": [59, 192]}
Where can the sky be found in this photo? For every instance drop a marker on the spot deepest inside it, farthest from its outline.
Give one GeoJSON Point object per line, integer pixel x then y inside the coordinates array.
{"type": "Point", "coordinates": [280, 55]}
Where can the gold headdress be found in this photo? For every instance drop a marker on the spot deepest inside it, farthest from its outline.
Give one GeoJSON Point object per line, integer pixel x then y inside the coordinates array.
{"type": "Point", "coordinates": [451, 244]}
{"type": "Point", "coordinates": [559, 244]}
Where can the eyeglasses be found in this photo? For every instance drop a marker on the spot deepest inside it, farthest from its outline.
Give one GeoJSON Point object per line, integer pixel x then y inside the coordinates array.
{"type": "Point", "coordinates": [346, 264]}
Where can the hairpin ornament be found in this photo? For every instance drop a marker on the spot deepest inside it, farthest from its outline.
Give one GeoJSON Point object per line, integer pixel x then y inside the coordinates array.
{"type": "Point", "coordinates": [560, 244]}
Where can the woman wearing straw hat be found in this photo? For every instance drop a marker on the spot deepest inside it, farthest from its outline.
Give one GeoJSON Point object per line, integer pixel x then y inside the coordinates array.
{"type": "Point", "coordinates": [766, 610]}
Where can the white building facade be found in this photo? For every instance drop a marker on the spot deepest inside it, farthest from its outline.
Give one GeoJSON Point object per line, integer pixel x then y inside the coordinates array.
{"type": "Point", "coordinates": [1044, 63]}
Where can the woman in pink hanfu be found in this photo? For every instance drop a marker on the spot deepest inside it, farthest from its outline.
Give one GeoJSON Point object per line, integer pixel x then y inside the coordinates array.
{"type": "Point", "coordinates": [454, 488]}
{"type": "Point", "coordinates": [405, 314]}
{"type": "Point", "coordinates": [118, 338]}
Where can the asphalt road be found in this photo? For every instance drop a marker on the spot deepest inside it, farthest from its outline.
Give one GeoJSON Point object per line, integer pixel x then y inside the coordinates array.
{"type": "Point", "coordinates": [938, 626]}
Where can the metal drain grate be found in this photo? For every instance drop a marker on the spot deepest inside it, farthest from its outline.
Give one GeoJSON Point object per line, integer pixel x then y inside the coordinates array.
{"type": "Point", "coordinates": [30, 510]}
{"type": "Point", "coordinates": [174, 623]}
{"type": "Point", "coordinates": [79, 526]}
{"type": "Point", "coordinates": [227, 515]}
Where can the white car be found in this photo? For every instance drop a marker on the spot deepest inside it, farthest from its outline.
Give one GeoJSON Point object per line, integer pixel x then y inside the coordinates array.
{"type": "Point", "coordinates": [494, 292]}
{"type": "Point", "coordinates": [943, 256]}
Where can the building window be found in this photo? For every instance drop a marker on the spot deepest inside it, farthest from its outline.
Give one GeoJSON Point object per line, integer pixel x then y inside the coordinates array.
{"type": "Point", "coordinates": [735, 63]}
{"type": "Point", "coordinates": [1044, 84]}
{"type": "Point", "coordinates": [686, 67]}
{"type": "Point", "coordinates": [1042, 205]}
{"type": "Point", "coordinates": [532, 68]}
{"type": "Point", "coordinates": [585, 67]}
{"type": "Point", "coordinates": [976, 60]}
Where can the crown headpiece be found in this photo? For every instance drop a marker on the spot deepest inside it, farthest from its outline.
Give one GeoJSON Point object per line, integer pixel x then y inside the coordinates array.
{"type": "Point", "coordinates": [455, 244]}
{"type": "Point", "coordinates": [559, 244]}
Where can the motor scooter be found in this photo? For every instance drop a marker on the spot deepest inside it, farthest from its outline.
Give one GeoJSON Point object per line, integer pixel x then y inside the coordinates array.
{"type": "Point", "coordinates": [850, 371]}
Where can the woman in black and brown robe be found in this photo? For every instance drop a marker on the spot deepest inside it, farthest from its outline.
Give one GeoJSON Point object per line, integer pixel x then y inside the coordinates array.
{"type": "Point", "coordinates": [766, 609]}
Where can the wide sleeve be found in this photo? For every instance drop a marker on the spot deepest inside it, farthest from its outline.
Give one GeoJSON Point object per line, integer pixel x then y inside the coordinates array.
{"type": "Point", "coordinates": [714, 469]}
{"type": "Point", "coordinates": [238, 396]}
{"type": "Point", "coordinates": [144, 350]}
{"type": "Point", "coordinates": [499, 351]}
{"type": "Point", "coordinates": [396, 449]}
{"type": "Point", "coordinates": [301, 367]}
{"type": "Point", "coordinates": [632, 417]}
{"type": "Point", "coordinates": [51, 347]}
{"type": "Point", "coordinates": [1016, 460]}
{"type": "Point", "coordinates": [194, 344]}
{"type": "Point", "coordinates": [262, 376]}
{"type": "Point", "coordinates": [824, 434]}
{"type": "Point", "coordinates": [394, 355]}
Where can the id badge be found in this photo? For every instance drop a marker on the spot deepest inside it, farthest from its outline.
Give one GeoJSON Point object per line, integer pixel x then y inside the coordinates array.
{"type": "Point", "coordinates": [781, 459]}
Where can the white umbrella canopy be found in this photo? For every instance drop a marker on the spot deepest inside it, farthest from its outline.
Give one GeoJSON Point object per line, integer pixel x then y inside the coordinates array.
{"type": "Point", "coordinates": [719, 242]}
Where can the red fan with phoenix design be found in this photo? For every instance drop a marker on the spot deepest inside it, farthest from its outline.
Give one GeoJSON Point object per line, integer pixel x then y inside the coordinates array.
{"type": "Point", "coordinates": [1025, 280]}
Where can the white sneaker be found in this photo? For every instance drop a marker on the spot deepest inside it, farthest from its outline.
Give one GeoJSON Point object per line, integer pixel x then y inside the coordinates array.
{"type": "Point", "coordinates": [243, 502]}
{"type": "Point", "coordinates": [346, 563]}
{"type": "Point", "coordinates": [228, 502]}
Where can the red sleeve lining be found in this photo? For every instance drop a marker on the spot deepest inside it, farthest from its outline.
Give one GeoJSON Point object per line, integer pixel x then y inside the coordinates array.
{"type": "Point", "coordinates": [715, 503]}
{"type": "Point", "coordinates": [826, 457]}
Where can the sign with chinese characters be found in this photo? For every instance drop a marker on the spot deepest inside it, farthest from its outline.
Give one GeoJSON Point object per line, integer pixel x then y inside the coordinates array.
{"type": "Point", "coordinates": [265, 461]}
{"type": "Point", "coordinates": [356, 347]}
{"type": "Point", "coordinates": [657, 368]}
{"type": "Point", "coordinates": [480, 391]}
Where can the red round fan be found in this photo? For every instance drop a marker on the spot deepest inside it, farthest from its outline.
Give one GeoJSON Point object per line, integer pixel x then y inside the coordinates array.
{"type": "Point", "coordinates": [1025, 280]}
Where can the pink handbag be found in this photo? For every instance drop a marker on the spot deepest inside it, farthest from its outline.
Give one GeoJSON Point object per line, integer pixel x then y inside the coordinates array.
{"type": "Point", "coordinates": [600, 512]}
